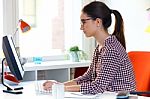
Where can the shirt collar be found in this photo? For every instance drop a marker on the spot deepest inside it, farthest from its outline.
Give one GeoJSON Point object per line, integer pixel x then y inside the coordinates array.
{"type": "Point", "coordinates": [110, 39]}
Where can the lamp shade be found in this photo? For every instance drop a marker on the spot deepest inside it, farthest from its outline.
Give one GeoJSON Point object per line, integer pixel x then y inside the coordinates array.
{"type": "Point", "coordinates": [24, 26]}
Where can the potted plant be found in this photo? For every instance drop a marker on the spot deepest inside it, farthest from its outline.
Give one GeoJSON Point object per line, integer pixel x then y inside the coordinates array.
{"type": "Point", "coordinates": [74, 53]}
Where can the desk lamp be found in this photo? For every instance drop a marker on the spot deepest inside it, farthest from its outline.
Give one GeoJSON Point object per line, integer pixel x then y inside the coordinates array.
{"type": "Point", "coordinates": [10, 78]}
{"type": "Point", "coordinates": [23, 26]}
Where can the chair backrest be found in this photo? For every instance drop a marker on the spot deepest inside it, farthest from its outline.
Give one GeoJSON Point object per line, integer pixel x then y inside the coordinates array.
{"type": "Point", "coordinates": [141, 64]}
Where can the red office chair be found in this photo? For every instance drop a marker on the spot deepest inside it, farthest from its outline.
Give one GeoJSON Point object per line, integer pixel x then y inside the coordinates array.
{"type": "Point", "coordinates": [141, 64]}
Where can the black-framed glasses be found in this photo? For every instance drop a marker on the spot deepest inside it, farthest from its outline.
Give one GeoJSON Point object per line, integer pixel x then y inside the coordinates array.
{"type": "Point", "coordinates": [83, 21]}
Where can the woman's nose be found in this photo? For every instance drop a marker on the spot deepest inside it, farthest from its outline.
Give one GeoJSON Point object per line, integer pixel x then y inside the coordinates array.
{"type": "Point", "coordinates": [81, 27]}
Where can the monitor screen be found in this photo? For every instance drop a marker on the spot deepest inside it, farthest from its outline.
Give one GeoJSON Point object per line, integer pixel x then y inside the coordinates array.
{"type": "Point", "coordinates": [12, 58]}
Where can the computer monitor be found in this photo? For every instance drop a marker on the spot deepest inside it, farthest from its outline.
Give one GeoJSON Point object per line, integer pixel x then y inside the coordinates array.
{"type": "Point", "coordinates": [12, 59]}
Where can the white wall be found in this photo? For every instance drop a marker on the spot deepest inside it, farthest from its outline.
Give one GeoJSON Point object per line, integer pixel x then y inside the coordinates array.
{"type": "Point", "coordinates": [135, 21]}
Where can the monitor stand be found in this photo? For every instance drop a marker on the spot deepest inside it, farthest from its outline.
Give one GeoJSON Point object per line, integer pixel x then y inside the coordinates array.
{"type": "Point", "coordinates": [9, 89]}
{"type": "Point", "coordinates": [14, 90]}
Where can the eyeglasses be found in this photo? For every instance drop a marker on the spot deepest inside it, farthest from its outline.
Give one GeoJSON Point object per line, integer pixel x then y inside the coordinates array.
{"type": "Point", "coordinates": [83, 21]}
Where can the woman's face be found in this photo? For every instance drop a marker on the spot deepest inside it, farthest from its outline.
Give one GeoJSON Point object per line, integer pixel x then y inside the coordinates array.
{"type": "Point", "coordinates": [88, 25]}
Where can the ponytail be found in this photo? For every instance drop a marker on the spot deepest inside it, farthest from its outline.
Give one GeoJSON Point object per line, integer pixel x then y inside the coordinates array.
{"type": "Point", "coordinates": [119, 28]}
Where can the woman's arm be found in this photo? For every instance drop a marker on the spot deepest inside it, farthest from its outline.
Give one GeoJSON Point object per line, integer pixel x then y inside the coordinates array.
{"type": "Point", "coordinates": [104, 74]}
{"type": "Point", "coordinates": [72, 86]}
{"type": "Point", "coordinates": [68, 86]}
{"type": "Point", "coordinates": [71, 82]}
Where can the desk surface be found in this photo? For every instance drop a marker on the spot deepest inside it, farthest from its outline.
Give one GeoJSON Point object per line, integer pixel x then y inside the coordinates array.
{"type": "Point", "coordinates": [29, 92]}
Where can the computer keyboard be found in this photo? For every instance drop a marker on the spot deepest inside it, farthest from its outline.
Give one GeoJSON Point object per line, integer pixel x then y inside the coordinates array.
{"type": "Point", "coordinates": [39, 88]}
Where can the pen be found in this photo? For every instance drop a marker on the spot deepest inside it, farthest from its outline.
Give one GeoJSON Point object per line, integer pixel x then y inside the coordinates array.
{"type": "Point", "coordinates": [77, 94]}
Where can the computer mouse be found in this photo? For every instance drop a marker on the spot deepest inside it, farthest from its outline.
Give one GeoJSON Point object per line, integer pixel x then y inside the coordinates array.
{"type": "Point", "coordinates": [123, 95]}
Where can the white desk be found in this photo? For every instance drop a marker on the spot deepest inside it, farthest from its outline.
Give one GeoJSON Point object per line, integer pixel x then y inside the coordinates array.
{"type": "Point", "coordinates": [29, 92]}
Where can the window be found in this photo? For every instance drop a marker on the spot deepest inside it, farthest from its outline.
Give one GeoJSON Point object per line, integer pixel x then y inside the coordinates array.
{"type": "Point", "coordinates": [55, 26]}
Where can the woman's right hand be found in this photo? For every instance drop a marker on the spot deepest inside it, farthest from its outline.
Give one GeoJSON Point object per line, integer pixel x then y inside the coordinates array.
{"type": "Point", "coordinates": [48, 85]}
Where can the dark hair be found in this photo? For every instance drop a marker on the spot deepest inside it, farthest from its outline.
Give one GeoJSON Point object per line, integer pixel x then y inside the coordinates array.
{"type": "Point", "coordinates": [97, 9]}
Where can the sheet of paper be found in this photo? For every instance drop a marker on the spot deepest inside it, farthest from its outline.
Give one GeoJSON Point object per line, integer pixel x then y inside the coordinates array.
{"type": "Point", "coordinates": [79, 95]}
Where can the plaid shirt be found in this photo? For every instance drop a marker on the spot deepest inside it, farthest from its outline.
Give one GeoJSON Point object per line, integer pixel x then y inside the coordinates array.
{"type": "Point", "coordinates": [110, 70]}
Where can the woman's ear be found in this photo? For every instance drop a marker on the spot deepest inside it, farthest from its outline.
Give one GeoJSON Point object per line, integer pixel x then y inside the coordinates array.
{"type": "Point", "coordinates": [98, 22]}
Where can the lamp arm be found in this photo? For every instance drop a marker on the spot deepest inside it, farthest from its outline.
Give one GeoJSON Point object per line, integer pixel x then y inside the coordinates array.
{"type": "Point", "coordinates": [15, 33]}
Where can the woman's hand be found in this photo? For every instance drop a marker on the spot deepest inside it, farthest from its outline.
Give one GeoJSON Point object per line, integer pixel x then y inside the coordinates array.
{"type": "Point", "coordinates": [48, 85]}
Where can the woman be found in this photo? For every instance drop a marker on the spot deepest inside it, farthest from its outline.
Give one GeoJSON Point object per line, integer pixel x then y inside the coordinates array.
{"type": "Point", "coordinates": [111, 69]}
